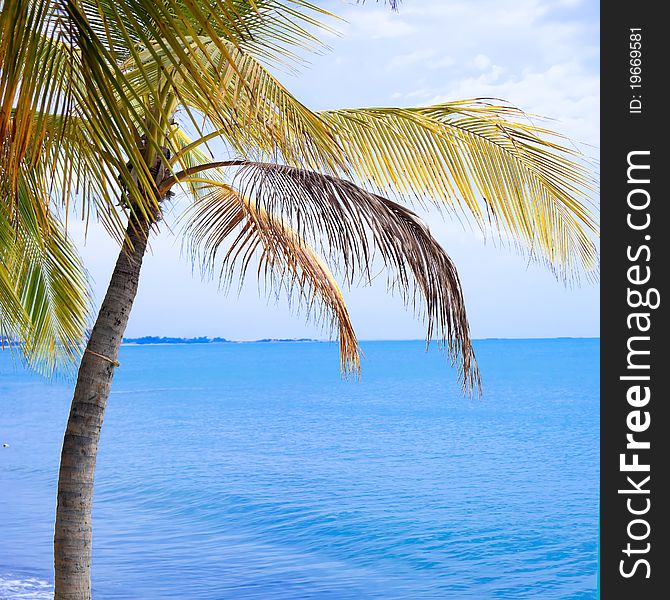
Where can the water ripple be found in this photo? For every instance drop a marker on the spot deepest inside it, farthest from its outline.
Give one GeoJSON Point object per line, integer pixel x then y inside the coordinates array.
{"type": "Point", "coordinates": [215, 481]}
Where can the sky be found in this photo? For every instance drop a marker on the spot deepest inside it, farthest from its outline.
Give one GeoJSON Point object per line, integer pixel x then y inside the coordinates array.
{"type": "Point", "coordinates": [540, 55]}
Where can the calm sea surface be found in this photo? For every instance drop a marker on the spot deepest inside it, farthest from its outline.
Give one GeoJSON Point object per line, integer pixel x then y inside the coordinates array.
{"type": "Point", "coordinates": [253, 471]}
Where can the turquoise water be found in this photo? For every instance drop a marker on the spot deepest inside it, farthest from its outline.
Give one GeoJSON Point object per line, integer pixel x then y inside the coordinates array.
{"type": "Point", "coordinates": [253, 471]}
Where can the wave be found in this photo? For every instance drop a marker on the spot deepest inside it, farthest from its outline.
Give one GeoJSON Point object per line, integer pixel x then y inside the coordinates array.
{"type": "Point", "coordinates": [14, 587]}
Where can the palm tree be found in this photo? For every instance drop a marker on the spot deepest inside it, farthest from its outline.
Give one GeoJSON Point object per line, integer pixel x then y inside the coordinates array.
{"type": "Point", "coordinates": [110, 107]}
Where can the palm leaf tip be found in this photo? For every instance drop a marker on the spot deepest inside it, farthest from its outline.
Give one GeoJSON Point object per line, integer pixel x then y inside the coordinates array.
{"type": "Point", "coordinates": [285, 260]}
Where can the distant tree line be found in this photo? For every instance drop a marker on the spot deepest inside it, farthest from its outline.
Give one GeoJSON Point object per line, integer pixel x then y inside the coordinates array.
{"type": "Point", "coordinates": [152, 339]}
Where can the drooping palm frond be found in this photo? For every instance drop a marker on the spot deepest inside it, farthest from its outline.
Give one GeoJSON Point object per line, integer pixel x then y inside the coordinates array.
{"type": "Point", "coordinates": [354, 228]}
{"type": "Point", "coordinates": [223, 219]}
{"type": "Point", "coordinates": [49, 277]}
{"type": "Point", "coordinates": [484, 159]}
{"type": "Point", "coordinates": [285, 260]}
{"type": "Point", "coordinates": [44, 293]}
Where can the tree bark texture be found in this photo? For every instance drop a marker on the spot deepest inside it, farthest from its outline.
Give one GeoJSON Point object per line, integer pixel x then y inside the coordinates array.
{"type": "Point", "coordinates": [73, 530]}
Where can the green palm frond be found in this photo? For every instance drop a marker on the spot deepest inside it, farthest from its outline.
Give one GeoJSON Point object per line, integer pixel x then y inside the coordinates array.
{"type": "Point", "coordinates": [487, 160]}
{"type": "Point", "coordinates": [44, 293]}
{"type": "Point", "coordinates": [14, 320]}
{"type": "Point", "coordinates": [223, 219]}
{"type": "Point", "coordinates": [123, 68]}
{"type": "Point", "coordinates": [77, 171]}
{"type": "Point", "coordinates": [244, 103]}
{"type": "Point", "coordinates": [279, 32]}
{"type": "Point", "coordinates": [56, 68]}
{"type": "Point", "coordinates": [26, 59]}
{"type": "Point", "coordinates": [204, 58]}
{"type": "Point", "coordinates": [49, 277]}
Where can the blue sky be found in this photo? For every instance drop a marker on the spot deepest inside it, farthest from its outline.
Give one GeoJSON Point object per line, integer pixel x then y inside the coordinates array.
{"type": "Point", "coordinates": [541, 55]}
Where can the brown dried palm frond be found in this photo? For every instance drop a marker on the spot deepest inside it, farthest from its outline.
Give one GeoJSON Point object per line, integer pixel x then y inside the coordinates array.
{"type": "Point", "coordinates": [355, 229]}
{"type": "Point", "coordinates": [284, 259]}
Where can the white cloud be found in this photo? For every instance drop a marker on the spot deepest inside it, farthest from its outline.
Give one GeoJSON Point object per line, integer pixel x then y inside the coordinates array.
{"type": "Point", "coordinates": [526, 52]}
{"type": "Point", "coordinates": [564, 92]}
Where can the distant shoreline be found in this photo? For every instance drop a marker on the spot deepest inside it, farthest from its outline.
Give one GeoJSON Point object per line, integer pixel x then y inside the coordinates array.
{"type": "Point", "coordinates": [175, 341]}
{"type": "Point", "coordinates": [163, 341]}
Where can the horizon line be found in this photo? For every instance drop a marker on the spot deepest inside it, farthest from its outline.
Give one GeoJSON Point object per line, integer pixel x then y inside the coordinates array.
{"type": "Point", "coordinates": [223, 340]}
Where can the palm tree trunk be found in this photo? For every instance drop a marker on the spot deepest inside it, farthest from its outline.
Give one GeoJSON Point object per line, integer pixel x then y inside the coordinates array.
{"type": "Point", "coordinates": [73, 533]}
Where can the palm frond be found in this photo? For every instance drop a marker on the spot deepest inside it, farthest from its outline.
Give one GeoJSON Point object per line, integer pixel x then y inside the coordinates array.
{"type": "Point", "coordinates": [245, 104]}
{"type": "Point", "coordinates": [41, 269]}
{"type": "Point", "coordinates": [66, 58]}
{"type": "Point", "coordinates": [28, 82]}
{"type": "Point", "coordinates": [488, 161]}
{"type": "Point", "coordinates": [222, 218]}
{"type": "Point", "coordinates": [279, 31]}
{"type": "Point", "coordinates": [355, 228]}
{"type": "Point", "coordinates": [14, 320]}
{"type": "Point", "coordinates": [50, 77]}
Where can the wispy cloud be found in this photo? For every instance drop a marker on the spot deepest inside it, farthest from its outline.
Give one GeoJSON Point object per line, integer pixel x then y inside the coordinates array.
{"type": "Point", "coordinates": [541, 55]}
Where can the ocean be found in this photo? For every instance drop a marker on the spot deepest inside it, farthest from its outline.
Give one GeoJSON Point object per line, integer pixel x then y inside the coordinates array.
{"type": "Point", "coordinates": [254, 471]}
